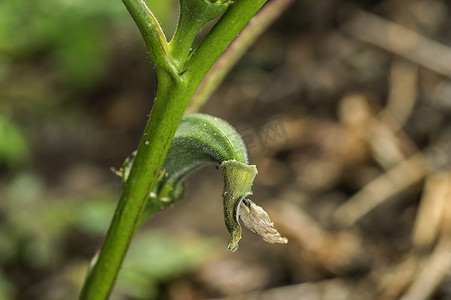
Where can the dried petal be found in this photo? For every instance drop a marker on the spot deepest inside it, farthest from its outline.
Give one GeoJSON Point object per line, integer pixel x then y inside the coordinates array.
{"type": "Point", "coordinates": [258, 221]}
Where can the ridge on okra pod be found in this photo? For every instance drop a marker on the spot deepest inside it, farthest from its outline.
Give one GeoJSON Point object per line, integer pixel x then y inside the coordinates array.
{"type": "Point", "coordinates": [201, 140]}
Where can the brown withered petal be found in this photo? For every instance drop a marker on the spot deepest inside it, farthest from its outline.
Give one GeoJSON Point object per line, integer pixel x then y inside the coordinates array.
{"type": "Point", "coordinates": [258, 221]}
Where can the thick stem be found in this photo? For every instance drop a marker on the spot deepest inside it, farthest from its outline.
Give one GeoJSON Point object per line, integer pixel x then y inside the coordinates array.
{"type": "Point", "coordinates": [160, 129]}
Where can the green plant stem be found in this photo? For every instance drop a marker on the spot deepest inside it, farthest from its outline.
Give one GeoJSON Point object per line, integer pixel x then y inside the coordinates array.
{"type": "Point", "coordinates": [173, 94]}
{"type": "Point", "coordinates": [152, 34]}
{"type": "Point", "coordinates": [253, 30]}
{"type": "Point", "coordinates": [149, 158]}
{"type": "Point", "coordinates": [180, 45]}
{"type": "Point", "coordinates": [194, 14]}
{"type": "Point", "coordinates": [219, 38]}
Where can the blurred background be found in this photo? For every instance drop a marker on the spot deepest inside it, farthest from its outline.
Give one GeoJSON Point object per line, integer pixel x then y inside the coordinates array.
{"type": "Point", "coordinates": [344, 106]}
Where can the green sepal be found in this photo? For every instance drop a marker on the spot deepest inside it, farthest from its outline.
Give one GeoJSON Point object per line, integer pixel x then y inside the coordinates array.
{"type": "Point", "coordinates": [238, 179]}
{"type": "Point", "coordinates": [200, 140]}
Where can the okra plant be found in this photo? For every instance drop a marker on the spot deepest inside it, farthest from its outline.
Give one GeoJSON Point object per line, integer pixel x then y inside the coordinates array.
{"type": "Point", "coordinates": [173, 145]}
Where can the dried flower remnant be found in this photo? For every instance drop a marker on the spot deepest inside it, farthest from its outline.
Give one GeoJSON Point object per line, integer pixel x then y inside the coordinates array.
{"type": "Point", "coordinates": [257, 220]}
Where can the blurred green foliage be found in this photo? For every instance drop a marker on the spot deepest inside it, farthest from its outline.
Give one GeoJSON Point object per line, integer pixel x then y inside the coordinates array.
{"type": "Point", "coordinates": [6, 289]}
{"type": "Point", "coordinates": [71, 32]}
{"type": "Point", "coordinates": [75, 34]}
{"type": "Point", "coordinates": [36, 229]}
{"type": "Point", "coordinates": [51, 51]}
{"type": "Point", "coordinates": [37, 222]}
{"type": "Point", "coordinates": [155, 257]}
{"type": "Point", "coordinates": [13, 145]}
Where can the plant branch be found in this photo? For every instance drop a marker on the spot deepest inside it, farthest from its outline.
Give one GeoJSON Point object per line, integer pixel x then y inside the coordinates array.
{"type": "Point", "coordinates": [253, 30]}
{"type": "Point", "coordinates": [220, 37]}
{"type": "Point", "coordinates": [194, 14]}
